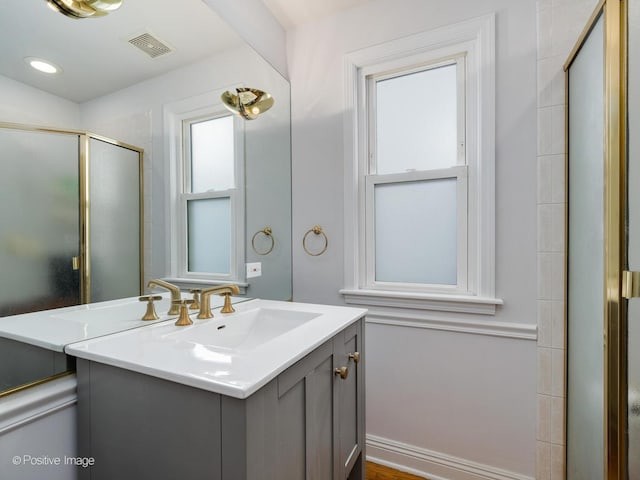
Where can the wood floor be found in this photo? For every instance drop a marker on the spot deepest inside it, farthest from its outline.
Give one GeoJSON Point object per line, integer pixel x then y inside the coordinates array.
{"type": "Point", "coordinates": [378, 472]}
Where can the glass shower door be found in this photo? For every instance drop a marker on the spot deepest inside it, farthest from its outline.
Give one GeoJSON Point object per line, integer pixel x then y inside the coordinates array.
{"type": "Point", "coordinates": [633, 239]}
{"type": "Point", "coordinates": [114, 221]}
{"type": "Point", "coordinates": [585, 261]}
{"type": "Point", "coordinates": [39, 221]}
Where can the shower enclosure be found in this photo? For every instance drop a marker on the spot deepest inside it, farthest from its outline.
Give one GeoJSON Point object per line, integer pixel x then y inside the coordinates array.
{"type": "Point", "coordinates": [603, 246]}
{"type": "Point", "coordinates": [70, 219]}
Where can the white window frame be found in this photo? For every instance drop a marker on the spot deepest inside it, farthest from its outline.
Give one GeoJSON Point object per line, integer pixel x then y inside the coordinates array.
{"type": "Point", "coordinates": [178, 117]}
{"type": "Point", "coordinates": [473, 41]}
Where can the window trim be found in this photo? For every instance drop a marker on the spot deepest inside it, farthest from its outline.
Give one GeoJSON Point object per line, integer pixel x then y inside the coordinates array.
{"type": "Point", "coordinates": [475, 39]}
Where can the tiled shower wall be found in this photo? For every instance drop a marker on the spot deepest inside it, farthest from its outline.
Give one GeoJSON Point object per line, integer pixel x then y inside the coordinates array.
{"type": "Point", "coordinates": [560, 23]}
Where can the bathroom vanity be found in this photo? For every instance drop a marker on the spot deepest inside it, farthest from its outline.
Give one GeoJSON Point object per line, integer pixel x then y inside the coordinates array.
{"type": "Point", "coordinates": [272, 391]}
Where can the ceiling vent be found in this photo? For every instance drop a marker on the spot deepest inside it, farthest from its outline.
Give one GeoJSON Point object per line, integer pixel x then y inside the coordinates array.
{"type": "Point", "coordinates": [150, 45]}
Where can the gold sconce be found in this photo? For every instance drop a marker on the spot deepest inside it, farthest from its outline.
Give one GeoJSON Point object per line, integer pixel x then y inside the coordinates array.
{"type": "Point", "coordinates": [84, 8]}
{"type": "Point", "coordinates": [247, 102]}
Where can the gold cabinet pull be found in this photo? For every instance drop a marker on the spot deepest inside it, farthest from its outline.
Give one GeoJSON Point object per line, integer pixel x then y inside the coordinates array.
{"type": "Point", "coordinates": [343, 372]}
{"type": "Point", "coordinates": [355, 356]}
{"type": "Point", "coordinates": [75, 263]}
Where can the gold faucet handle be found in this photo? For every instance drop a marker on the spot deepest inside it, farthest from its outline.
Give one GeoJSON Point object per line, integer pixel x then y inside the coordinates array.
{"type": "Point", "coordinates": [183, 319]}
{"type": "Point", "coordinates": [150, 314]}
{"type": "Point", "coordinates": [227, 308]}
{"type": "Point", "coordinates": [196, 298]}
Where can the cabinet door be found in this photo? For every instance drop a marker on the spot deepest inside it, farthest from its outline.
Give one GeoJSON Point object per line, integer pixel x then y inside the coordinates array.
{"type": "Point", "coordinates": [350, 414]}
{"type": "Point", "coordinates": [305, 418]}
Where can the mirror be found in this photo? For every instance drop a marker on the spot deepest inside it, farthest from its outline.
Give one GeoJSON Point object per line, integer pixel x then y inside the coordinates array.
{"type": "Point", "coordinates": [110, 87]}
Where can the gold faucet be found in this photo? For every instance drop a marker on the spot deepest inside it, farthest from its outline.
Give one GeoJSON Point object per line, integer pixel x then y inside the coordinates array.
{"type": "Point", "coordinates": [205, 304]}
{"type": "Point", "coordinates": [175, 294]}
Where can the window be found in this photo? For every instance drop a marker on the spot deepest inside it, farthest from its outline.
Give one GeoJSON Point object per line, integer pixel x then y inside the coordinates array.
{"type": "Point", "coordinates": [416, 179]}
{"type": "Point", "coordinates": [420, 171]}
{"type": "Point", "coordinates": [210, 198]}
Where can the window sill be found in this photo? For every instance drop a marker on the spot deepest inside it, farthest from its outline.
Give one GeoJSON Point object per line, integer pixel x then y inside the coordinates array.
{"type": "Point", "coordinates": [422, 301]}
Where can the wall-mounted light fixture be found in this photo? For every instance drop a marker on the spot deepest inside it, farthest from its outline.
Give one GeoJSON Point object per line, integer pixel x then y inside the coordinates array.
{"type": "Point", "coordinates": [84, 8]}
{"type": "Point", "coordinates": [247, 102]}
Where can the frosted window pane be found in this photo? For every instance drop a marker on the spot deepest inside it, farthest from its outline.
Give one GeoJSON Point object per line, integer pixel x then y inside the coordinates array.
{"type": "Point", "coordinates": [115, 221]}
{"type": "Point", "coordinates": [212, 155]}
{"type": "Point", "coordinates": [416, 121]}
{"type": "Point", "coordinates": [416, 232]}
{"type": "Point", "coordinates": [209, 235]}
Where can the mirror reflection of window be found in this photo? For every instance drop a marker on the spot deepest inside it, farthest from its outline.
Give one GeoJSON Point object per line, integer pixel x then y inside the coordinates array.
{"type": "Point", "coordinates": [210, 196]}
{"type": "Point", "coordinates": [212, 155]}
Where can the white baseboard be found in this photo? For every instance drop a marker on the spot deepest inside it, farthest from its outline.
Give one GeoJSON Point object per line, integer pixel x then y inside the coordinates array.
{"type": "Point", "coordinates": [430, 464]}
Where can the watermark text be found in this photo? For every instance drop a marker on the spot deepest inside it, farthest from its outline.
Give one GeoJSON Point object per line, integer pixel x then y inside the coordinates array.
{"type": "Point", "coordinates": [47, 460]}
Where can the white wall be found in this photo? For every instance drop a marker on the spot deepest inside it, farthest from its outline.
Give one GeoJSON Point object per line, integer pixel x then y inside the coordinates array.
{"type": "Point", "coordinates": [20, 103]}
{"type": "Point", "coordinates": [447, 403]}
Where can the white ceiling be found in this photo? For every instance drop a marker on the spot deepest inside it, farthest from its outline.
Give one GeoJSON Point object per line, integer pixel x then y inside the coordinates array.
{"type": "Point", "coordinates": [94, 53]}
{"type": "Point", "coordinates": [291, 13]}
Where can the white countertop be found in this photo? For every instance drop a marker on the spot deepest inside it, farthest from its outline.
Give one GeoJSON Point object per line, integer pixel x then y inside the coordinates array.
{"type": "Point", "coordinates": [221, 356]}
{"type": "Point", "coordinates": [53, 329]}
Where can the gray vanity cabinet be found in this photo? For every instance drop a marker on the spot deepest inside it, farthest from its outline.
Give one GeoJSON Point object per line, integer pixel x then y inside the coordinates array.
{"type": "Point", "coordinates": [307, 423]}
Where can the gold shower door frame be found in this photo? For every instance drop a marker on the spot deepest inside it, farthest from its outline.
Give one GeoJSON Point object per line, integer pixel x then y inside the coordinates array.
{"type": "Point", "coordinates": [84, 155]}
{"type": "Point", "coordinates": [615, 248]}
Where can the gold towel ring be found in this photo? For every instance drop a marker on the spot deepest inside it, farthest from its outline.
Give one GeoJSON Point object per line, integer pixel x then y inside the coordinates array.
{"type": "Point", "coordinates": [317, 230]}
{"type": "Point", "coordinates": [267, 232]}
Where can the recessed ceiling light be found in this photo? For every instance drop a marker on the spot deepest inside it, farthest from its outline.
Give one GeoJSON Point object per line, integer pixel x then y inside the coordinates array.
{"type": "Point", "coordinates": [42, 65]}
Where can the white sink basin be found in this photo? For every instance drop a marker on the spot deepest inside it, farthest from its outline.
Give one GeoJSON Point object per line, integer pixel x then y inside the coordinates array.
{"type": "Point", "coordinates": [232, 354]}
{"type": "Point", "coordinates": [243, 331]}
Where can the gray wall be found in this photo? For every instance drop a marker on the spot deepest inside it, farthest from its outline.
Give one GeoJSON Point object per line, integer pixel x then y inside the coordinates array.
{"type": "Point", "coordinates": [447, 394]}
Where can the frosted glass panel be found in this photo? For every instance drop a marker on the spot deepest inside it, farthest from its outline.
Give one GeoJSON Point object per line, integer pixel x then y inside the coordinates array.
{"type": "Point", "coordinates": [585, 410]}
{"type": "Point", "coordinates": [416, 232]}
{"type": "Point", "coordinates": [209, 235]}
{"type": "Point", "coordinates": [634, 237]}
{"type": "Point", "coordinates": [115, 221]}
{"type": "Point", "coordinates": [39, 218]}
{"type": "Point", "coordinates": [416, 121]}
{"type": "Point", "coordinates": [212, 155]}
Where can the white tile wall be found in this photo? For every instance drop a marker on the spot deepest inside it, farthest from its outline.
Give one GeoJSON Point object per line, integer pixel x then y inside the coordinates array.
{"type": "Point", "coordinates": [559, 25]}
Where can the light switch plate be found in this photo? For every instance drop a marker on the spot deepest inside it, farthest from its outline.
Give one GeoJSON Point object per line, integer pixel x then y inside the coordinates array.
{"type": "Point", "coordinates": [254, 269]}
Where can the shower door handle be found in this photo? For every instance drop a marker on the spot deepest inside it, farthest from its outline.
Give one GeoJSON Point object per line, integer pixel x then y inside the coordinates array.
{"type": "Point", "coordinates": [630, 284]}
